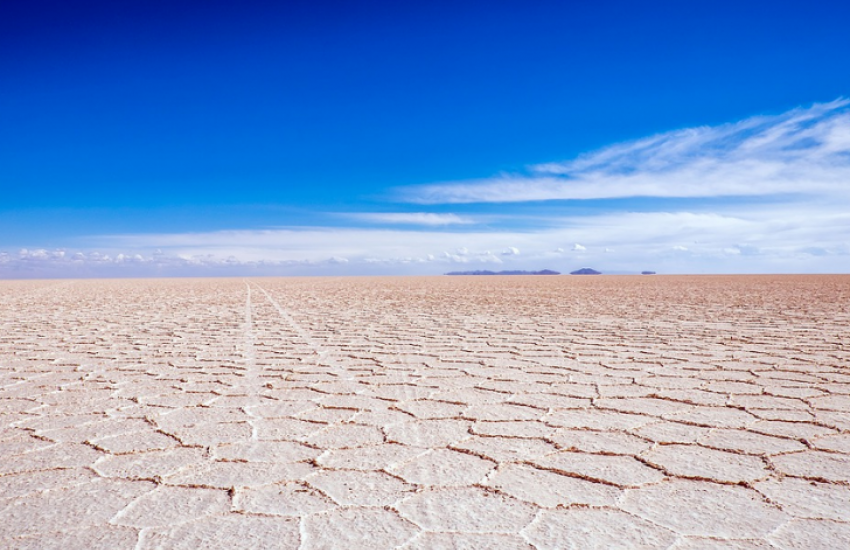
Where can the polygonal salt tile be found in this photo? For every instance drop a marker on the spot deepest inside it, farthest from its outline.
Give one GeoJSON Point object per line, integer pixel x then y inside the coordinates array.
{"type": "Point", "coordinates": [285, 499]}
{"type": "Point", "coordinates": [148, 440]}
{"type": "Point", "coordinates": [595, 419]}
{"type": "Point", "coordinates": [833, 419]}
{"type": "Point", "coordinates": [194, 416]}
{"type": "Point", "coordinates": [818, 465]}
{"type": "Point", "coordinates": [798, 392]}
{"type": "Point", "coordinates": [280, 409]}
{"type": "Point", "coordinates": [512, 428]}
{"type": "Point", "coordinates": [502, 411]}
{"type": "Point", "coordinates": [18, 485]}
{"type": "Point", "coordinates": [327, 415]}
{"type": "Point", "coordinates": [471, 396]}
{"type": "Point", "coordinates": [588, 391]}
{"type": "Point", "coordinates": [595, 529]}
{"type": "Point", "coordinates": [506, 449]}
{"type": "Point", "coordinates": [731, 387]}
{"type": "Point", "coordinates": [808, 499]}
{"type": "Point", "coordinates": [15, 405]}
{"type": "Point", "coordinates": [70, 508]}
{"type": "Point", "coordinates": [401, 392]}
{"type": "Point", "coordinates": [545, 401]}
{"type": "Point", "coordinates": [16, 443]}
{"type": "Point", "coordinates": [705, 543]}
{"type": "Point", "coordinates": [381, 419]}
{"type": "Point", "coordinates": [714, 417]}
{"type": "Point", "coordinates": [286, 429]}
{"type": "Point", "coordinates": [233, 401]}
{"type": "Point", "coordinates": [642, 405]}
{"type": "Point", "coordinates": [466, 541]}
{"type": "Point", "coordinates": [373, 528]}
{"type": "Point", "coordinates": [212, 433]}
{"type": "Point", "coordinates": [749, 442]}
{"type": "Point", "coordinates": [839, 443]}
{"type": "Point", "coordinates": [783, 414]}
{"type": "Point", "coordinates": [148, 465]}
{"type": "Point", "coordinates": [346, 436]}
{"type": "Point", "coordinates": [623, 471]}
{"type": "Point", "coordinates": [429, 433]}
{"type": "Point", "coordinates": [167, 506]}
{"type": "Point", "coordinates": [359, 402]}
{"type": "Point", "coordinates": [835, 402]}
{"type": "Point", "coordinates": [56, 456]}
{"type": "Point", "coordinates": [599, 442]}
{"type": "Point", "coordinates": [802, 534]}
{"type": "Point", "coordinates": [767, 402]}
{"type": "Point", "coordinates": [444, 467]}
{"type": "Point", "coordinates": [548, 489]}
{"type": "Point", "coordinates": [671, 432]}
{"type": "Point", "coordinates": [467, 509]}
{"type": "Point", "coordinates": [694, 396]}
{"type": "Point", "coordinates": [379, 457]}
{"type": "Point", "coordinates": [705, 509]}
{"type": "Point", "coordinates": [793, 430]}
{"type": "Point", "coordinates": [699, 462]}
{"type": "Point", "coordinates": [231, 531]}
{"type": "Point", "coordinates": [179, 400]}
{"type": "Point", "coordinates": [226, 475]}
{"type": "Point", "coordinates": [104, 536]}
{"type": "Point", "coordinates": [266, 451]}
{"type": "Point", "coordinates": [360, 488]}
{"type": "Point", "coordinates": [626, 390]}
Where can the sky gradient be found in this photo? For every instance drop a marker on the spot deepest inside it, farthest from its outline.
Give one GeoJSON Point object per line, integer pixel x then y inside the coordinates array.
{"type": "Point", "coordinates": [315, 138]}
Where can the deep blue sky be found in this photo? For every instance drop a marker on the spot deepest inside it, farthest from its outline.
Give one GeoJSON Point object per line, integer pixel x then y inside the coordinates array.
{"type": "Point", "coordinates": [151, 117]}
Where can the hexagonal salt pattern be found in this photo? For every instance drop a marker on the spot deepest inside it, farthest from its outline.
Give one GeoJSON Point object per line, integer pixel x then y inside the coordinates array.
{"type": "Point", "coordinates": [426, 413]}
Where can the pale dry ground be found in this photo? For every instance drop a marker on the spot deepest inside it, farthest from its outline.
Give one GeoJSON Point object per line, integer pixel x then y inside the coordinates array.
{"type": "Point", "coordinates": [426, 413]}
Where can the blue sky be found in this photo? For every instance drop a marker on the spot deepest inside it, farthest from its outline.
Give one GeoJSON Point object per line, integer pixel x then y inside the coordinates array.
{"type": "Point", "coordinates": [177, 138]}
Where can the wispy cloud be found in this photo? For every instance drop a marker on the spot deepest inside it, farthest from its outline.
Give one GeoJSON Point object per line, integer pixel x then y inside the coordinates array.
{"type": "Point", "coordinates": [411, 218]}
{"type": "Point", "coordinates": [804, 151]}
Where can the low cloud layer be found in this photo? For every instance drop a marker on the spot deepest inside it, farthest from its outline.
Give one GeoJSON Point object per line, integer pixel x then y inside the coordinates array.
{"type": "Point", "coordinates": [411, 218]}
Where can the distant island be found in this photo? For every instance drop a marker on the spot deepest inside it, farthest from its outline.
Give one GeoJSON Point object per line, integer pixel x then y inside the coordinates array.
{"type": "Point", "coordinates": [585, 271]}
{"type": "Point", "coordinates": [647, 273]}
{"type": "Point", "coordinates": [513, 272]}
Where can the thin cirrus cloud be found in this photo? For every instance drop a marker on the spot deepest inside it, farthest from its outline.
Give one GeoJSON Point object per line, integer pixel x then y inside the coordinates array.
{"type": "Point", "coordinates": [804, 151]}
{"type": "Point", "coordinates": [411, 218]}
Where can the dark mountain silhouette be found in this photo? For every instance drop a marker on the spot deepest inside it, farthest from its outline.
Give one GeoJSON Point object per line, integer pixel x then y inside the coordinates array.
{"type": "Point", "coordinates": [585, 271]}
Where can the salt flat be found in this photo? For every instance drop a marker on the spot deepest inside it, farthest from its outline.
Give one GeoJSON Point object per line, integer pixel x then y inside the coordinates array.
{"type": "Point", "coordinates": [426, 413]}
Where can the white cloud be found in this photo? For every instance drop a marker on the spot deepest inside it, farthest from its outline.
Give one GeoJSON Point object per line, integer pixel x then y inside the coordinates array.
{"type": "Point", "coordinates": [578, 248]}
{"type": "Point", "coordinates": [412, 218]}
{"type": "Point", "coordinates": [510, 251]}
{"type": "Point", "coordinates": [803, 151]}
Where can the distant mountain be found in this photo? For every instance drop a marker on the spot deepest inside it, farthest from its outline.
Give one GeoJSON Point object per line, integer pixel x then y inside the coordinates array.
{"type": "Point", "coordinates": [647, 273]}
{"type": "Point", "coordinates": [513, 272]}
{"type": "Point", "coordinates": [585, 271]}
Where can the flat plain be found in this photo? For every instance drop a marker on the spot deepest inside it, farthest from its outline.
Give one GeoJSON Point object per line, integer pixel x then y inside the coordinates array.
{"type": "Point", "coordinates": [549, 412]}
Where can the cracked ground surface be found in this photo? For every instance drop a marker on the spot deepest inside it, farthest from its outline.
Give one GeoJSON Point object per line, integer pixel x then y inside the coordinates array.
{"type": "Point", "coordinates": [426, 413]}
